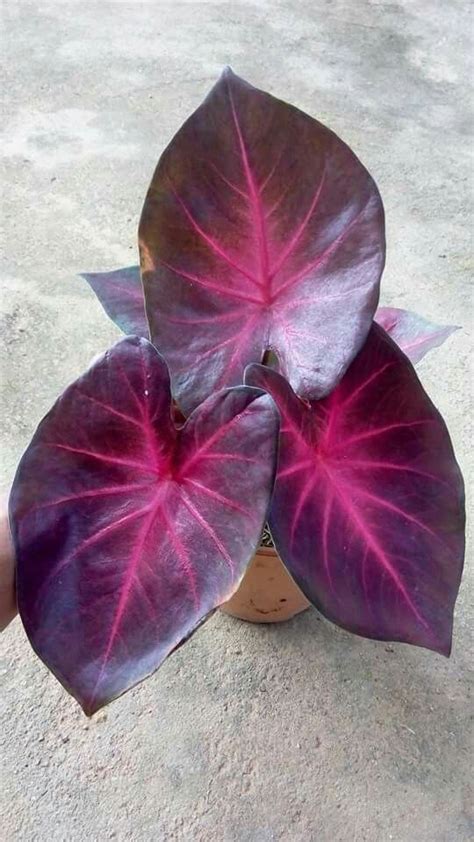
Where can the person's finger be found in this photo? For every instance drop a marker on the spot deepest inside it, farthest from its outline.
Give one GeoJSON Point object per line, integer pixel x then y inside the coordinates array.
{"type": "Point", "coordinates": [8, 607]}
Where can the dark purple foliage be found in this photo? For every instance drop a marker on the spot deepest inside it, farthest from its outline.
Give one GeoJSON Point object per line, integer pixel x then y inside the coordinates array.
{"type": "Point", "coordinates": [261, 230]}
{"type": "Point", "coordinates": [367, 511]}
{"type": "Point", "coordinates": [128, 531]}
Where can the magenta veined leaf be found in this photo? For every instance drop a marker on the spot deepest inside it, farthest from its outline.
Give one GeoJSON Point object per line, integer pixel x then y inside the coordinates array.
{"type": "Point", "coordinates": [128, 530]}
{"type": "Point", "coordinates": [368, 506]}
{"type": "Point", "coordinates": [414, 334]}
{"type": "Point", "coordinates": [261, 231]}
{"type": "Point", "coordinates": [121, 294]}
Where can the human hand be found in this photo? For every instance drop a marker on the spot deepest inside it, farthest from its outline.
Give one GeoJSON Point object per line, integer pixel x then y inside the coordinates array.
{"type": "Point", "coordinates": [8, 607]}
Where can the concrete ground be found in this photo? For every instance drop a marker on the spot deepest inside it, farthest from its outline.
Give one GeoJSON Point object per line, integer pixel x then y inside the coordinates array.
{"type": "Point", "coordinates": [249, 733]}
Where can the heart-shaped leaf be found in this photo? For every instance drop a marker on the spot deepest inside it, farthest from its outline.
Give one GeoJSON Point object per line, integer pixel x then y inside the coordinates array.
{"type": "Point", "coordinates": [414, 334]}
{"type": "Point", "coordinates": [121, 294]}
{"type": "Point", "coordinates": [261, 231]}
{"type": "Point", "coordinates": [368, 509]}
{"type": "Point", "coordinates": [129, 531]}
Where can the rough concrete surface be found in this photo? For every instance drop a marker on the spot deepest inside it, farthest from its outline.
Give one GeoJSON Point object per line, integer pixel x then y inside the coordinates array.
{"type": "Point", "coordinates": [248, 733]}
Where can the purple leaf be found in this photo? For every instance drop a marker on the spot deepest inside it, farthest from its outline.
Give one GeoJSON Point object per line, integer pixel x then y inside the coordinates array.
{"type": "Point", "coordinates": [368, 512]}
{"type": "Point", "coordinates": [128, 530]}
{"type": "Point", "coordinates": [121, 295]}
{"type": "Point", "coordinates": [414, 334]}
{"type": "Point", "coordinates": [261, 230]}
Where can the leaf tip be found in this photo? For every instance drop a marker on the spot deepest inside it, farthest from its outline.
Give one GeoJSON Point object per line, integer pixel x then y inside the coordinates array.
{"type": "Point", "coordinates": [86, 276]}
{"type": "Point", "coordinates": [227, 72]}
{"type": "Point", "coordinates": [440, 641]}
{"type": "Point", "coordinates": [92, 706]}
{"type": "Point", "coordinates": [444, 647]}
{"type": "Point", "coordinates": [229, 77]}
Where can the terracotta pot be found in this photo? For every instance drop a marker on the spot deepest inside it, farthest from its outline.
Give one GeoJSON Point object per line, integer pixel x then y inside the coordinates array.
{"type": "Point", "coordinates": [267, 593]}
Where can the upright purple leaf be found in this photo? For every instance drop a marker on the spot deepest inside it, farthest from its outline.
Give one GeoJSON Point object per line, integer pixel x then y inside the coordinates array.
{"type": "Point", "coordinates": [368, 507]}
{"type": "Point", "coordinates": [121, 294]}
{"type": "Point", "coordinates": [128, 530]}
{"type": "Point", "coordinates": [414, 334]}
{"type": "Point", "coordinates": [261, 230]}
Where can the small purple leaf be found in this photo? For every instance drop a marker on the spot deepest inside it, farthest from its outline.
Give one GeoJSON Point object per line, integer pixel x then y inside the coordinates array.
{"type": "Point", "coordinates": [414, 334]}
{"type": "Point", "coordinates": [121, 295]}
{"type": "Point", "coordinates": [261, 231]}
{"type": "Point", "coordinates": [128, 530]}
{"type": "Point", "coordinates": [368, 506]}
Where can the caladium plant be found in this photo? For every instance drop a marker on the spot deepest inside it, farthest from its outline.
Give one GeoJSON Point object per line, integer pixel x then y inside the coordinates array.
{"type": "Point", "coordinates": [260, 384]}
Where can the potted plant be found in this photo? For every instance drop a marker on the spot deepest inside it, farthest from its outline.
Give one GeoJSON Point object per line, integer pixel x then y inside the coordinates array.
{"type": "Point", "coordinates": [257, 384]}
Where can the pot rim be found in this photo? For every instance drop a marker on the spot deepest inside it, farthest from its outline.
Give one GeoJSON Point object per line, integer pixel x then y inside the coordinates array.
{"type": "Point", "coordinates": [268, 551]}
